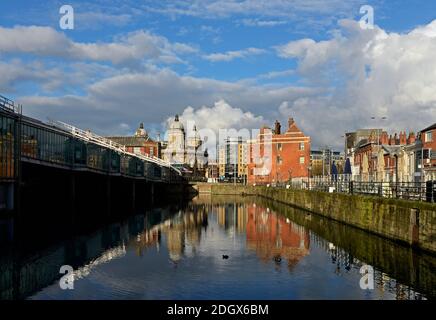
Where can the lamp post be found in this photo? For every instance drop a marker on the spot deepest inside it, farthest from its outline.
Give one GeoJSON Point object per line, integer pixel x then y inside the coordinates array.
{"type": "Point", "coordinates": [309, 168]}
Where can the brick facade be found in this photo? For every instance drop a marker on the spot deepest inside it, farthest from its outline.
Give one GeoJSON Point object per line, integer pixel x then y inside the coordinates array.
{"type": "Point", "coordinates": [287, 153]}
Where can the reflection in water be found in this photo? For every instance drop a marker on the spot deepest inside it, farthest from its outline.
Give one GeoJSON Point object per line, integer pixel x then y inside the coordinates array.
{"type": "Point", "coordinates": [272, 236]}
{"type": "Point", "coordinates": [275, 252]}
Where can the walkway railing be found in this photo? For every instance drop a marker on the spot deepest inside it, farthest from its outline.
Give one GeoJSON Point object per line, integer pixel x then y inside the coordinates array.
{"type": "Point", "coordinates": [9, 105]}
{"type": "Point", "coordinates": [417, 191]}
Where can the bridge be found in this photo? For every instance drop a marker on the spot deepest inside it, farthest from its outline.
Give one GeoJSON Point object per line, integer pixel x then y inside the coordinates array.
{"type": "Point", "coordinates": [31, 148]}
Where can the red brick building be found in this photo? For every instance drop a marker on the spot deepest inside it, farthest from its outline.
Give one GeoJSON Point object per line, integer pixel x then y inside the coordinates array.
{"type": "Point", "coordinates": [376, 157]}
{"type": "Point", "coordinates": [427, 138]}
{"type": "Point", "coordinates": [140, 143]}
{"type": "Point", "coordinates": [277, 157]}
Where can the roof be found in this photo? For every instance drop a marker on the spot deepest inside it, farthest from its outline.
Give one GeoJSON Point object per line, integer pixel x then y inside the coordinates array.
{"type": "Point", "coordinates": [433, 126]}
{"type": "Point", "coordinates": [131, 141]}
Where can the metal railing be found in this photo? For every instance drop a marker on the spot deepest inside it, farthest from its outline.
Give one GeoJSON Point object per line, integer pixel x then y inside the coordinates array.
{"type": "Point", "coordinates": [107, 143]}
{"type": "Point", "coordinates": [416, 191]}
{"type": "Point", "coordinates": [9, 105]}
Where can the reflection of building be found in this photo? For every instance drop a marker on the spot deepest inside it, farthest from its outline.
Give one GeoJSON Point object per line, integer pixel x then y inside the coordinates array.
{"type": "Point", "coordinates": [233, 216]}
{"type": "Point", "coordinates": [140, 143]}
{"type": "Point", "coordinates": [179, 231]}
{"type": "Point", "coordinates": [279, 157]}
{"type": "Point", "coordinates": [272, 236]}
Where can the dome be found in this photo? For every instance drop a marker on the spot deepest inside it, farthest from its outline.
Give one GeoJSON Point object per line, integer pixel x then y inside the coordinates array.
{"type": "Point", "coordinates": [176, 124]}
{"type": "Point", "coordinates": [141, 132]}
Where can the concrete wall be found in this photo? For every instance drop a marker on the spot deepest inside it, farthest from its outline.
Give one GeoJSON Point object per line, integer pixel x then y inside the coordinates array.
{"type": "Point", "coordinates": [410, 222]}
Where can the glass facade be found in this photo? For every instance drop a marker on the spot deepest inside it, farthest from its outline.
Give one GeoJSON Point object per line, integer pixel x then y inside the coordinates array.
{"type": "Point", "coordinates": [7, 148]}
{"type": "Point", "coordinates": [42, 143]}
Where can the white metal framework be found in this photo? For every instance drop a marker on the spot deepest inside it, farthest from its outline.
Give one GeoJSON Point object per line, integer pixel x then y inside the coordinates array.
{"type": "Point", "coordinates": [9, 105]}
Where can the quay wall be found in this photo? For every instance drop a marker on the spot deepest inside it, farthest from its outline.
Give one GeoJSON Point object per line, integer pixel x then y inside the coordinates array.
{"type": "Point", "coordinates": [410, 222]}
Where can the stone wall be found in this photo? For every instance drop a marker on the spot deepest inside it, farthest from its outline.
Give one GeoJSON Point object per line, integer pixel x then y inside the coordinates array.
{"type": "Point", "coordinates": [410, 222]}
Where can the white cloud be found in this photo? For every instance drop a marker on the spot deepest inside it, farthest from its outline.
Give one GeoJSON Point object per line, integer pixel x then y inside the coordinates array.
{"type": "Point", "coordinates": [134, 47]}
{"type": "Point", "coordinates": [134, 97]}
{"type": "Point", "coordinates": [371, 73]}
{"type": "Point", "coordinates": [221, 115]}
{"type": "Point", "coordinates": [231, 55]}
{"type": "Point", "coordinates": [263, 23]}
{"type": "Point", "coordinates": [349, 78]}
{"type": "Point", "coordinates": [96, 20]}
{"type": "Point", "coordinates": [271, 8]}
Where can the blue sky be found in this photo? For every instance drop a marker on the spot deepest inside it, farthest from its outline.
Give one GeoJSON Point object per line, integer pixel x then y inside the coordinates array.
{"type": "Point", "coordinates": [247, 62]}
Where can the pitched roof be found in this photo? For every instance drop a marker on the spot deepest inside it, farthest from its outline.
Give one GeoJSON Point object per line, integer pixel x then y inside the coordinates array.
{"type": "Point", "coordinates": [433, 126]}
{"type": "Point", "coordinates": [131, 141]}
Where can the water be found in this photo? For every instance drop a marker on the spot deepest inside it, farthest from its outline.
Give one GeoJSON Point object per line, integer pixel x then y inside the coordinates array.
{"type": "Point", "coordinates": [274, 252]}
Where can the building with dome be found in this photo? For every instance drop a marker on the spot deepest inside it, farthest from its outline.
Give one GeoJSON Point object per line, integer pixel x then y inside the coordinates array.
{"type": "Point", "coordinates": [139, 143]}
{"type": "Point", "coordinates": [183, 148]}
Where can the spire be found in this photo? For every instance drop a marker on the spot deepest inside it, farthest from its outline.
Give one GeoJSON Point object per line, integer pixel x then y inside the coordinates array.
{"type": "Point", "coordinates": [176, 118]}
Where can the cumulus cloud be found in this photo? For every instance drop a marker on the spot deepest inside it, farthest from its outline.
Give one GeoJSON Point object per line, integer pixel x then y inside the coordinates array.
{"type": "Point", "coordinates": [371, 73]}
{"type": "Point", "coordinates": [136, 46]}
{"type": "Point", "coordinates": [134, 97]}
{"type": "Point", "coordinates": [344, 81]}
{"type": "Point", "coordinates": [231, 55]}
{"type": "Point", "coordinates": [219, 121]}
{"type": "Point", "coordinates": [221, 115]}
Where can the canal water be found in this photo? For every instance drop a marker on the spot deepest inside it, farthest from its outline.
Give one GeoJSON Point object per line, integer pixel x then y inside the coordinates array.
{"type": "Point", "coordinates": [220, 248]}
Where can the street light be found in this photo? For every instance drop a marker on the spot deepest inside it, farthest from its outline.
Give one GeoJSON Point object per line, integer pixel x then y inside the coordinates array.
{"type": "Point", "coordinates": [381, 118]}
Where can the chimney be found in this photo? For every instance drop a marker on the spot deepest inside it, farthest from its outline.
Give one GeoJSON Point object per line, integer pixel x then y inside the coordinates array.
{"type": "Point", "coordinates": [403, 138]}
{"type": "Point", "coordinates": [277, 127]}
{"type": "Point", "coordinates": [412, 138]}
{"type": "Point", "coordinates": [384, 139]}
{"type": "Point", "coordinates": [290, 122]}
{"type": "Point", "coordinates": [395, 139]}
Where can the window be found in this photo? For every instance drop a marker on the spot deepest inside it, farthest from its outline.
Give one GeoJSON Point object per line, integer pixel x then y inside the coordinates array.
{"type": "Point", "coordinates": [279, 146]}
{"type": "Point", "coordinates": [301, 160]}
{"type": "Point", "coordinates": [429, 136]}
{"type": "Point", "coordinates": [301, 145]}
{"type": "Point", "coordinates": [151, 151]}
{"type": "Point", "coordinates": [137, 150]}
{"type": "Point", "coordinates": [279, 160]}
